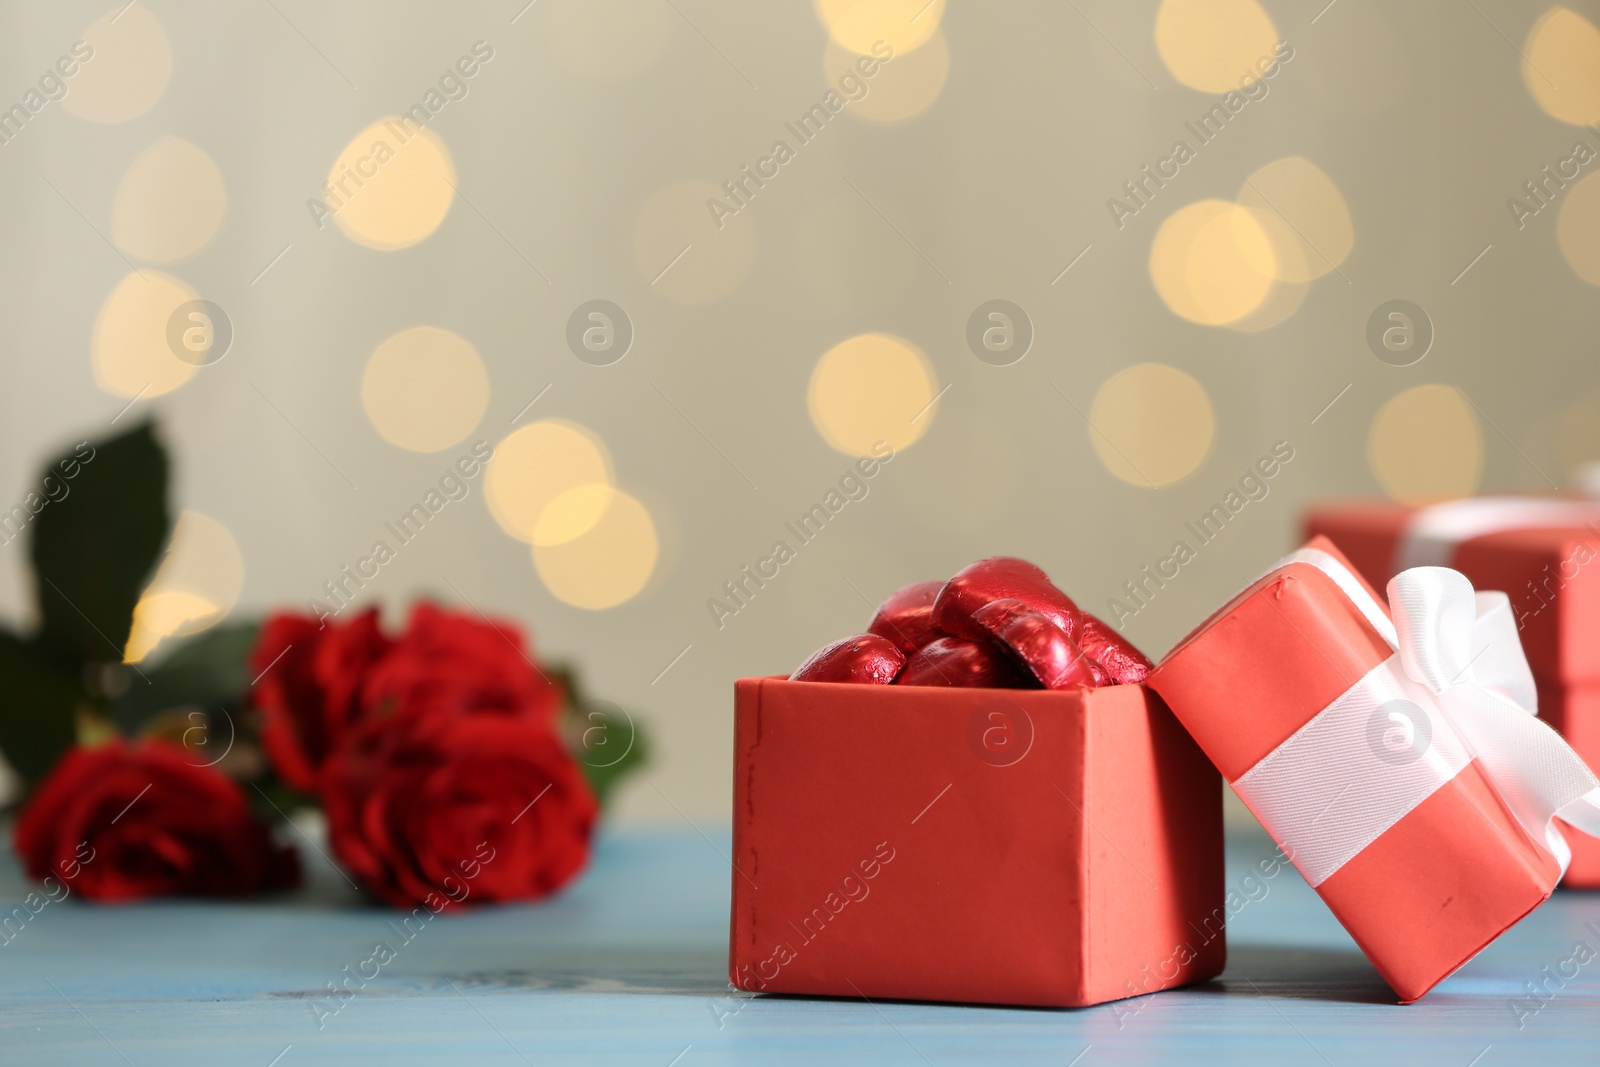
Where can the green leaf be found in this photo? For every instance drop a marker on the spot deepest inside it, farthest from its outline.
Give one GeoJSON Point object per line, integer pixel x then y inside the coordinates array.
{"type": "Point", "coordinates": [603, 776]}
{"type": "Point", "coordinates": [39, 699]}
{"type": "Point", "coordinates": [606, 740]}
{"type": "Point", "coordinates": [95, 545]}
{"type": "Point", "coordinates": [209, 670]}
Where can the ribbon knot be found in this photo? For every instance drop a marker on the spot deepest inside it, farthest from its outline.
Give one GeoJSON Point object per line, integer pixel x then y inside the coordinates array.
{"type": "Point", "coordinates": [1462, 646]}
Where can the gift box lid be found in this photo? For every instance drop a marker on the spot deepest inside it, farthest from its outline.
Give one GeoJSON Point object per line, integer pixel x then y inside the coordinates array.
{"type": "Point", "coordinates": [1547, 561]}
{"type": "Point", "coordinates": [1422, 891]}
{"type": "Point", "coordinates": [1296, 618]}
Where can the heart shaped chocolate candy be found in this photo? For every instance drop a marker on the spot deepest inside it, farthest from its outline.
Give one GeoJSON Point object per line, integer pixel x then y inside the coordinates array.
{"type": "Point", "coordinates": [1123, 663]}
{"type": "Point", "coordinates": [906, 616]}
{"type": "Point", "coordinates": [1043, 647]}
{"type": "Point", "coordinates": [955, 661]}
{"type": "Point", "coordinates": [865, 659]}
{"type": "Point", "coordinates": [1000, 578]}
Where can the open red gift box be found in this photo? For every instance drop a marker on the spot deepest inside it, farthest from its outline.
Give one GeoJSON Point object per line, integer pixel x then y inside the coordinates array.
{"type": "Point", "coordinates": [1544, 553]}
{"type": "Point", "coordinates": [1029, 847]}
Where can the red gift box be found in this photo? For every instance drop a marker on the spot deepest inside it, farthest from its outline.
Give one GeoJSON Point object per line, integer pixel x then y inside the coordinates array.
{"type": "Point", "coordinates": [1029, 847]}
{"type": "Point", "coordinates": [1544, 553]}
{"type": "Point", "coordinates": [1551, 571]}
{"type": "Point", "coordinates": [1575, 711]}
{"type": "Point", "coordinates": [1420, 894]}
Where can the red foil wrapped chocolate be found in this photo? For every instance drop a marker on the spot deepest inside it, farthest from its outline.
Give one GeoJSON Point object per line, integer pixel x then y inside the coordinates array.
{"type": "Point", "coordinates": [1000, 623]}
{"type": "Point", "coordinates": [906, 616]}
{"type": "Point", "coordinates": [864, 659]}
{"type": "Point", "coordinates": [1053, 658]}
{"type": "Point", "coordinates": [1000, 578]}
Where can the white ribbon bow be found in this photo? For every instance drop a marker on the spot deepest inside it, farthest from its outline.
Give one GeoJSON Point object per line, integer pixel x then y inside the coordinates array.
{"type": "Point", "coordinates": [1457, 688]}
{"type": "Point", "coordinates": [1463, 647]}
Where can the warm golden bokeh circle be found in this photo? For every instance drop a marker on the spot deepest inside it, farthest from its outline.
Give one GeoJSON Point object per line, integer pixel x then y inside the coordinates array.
{"type": "Point", "coordinates": [549, 482]}
{"type": "Point", "coordinates": [129, 349]}
{"type": "Point", "coordinates": [1151, 425]}
{"type": "Point", "coordinates": [860, 25]}
{"type": "Point", "coordinates": [1425, 445]}
{"type": "Point", "coordinates": [1214, 45]}
{"type": "Point", "coordinates": [572, 514]}
{"type": "Point", "coordinates": [1561, 66]}
{"type": "Point", "coordinates": [901, 89]}
{"type": "Point", "coordinates": [170, 203]}
{"type": "Point", "coordinates": [607, 40]}
{"type": "Point", "coordinates": [196, 585]}
{"type": "Point", "coordinates": [1578, 228]}
{"type": "Point", "coordinates": [1279, 307]}
{"type": "Point", "coordinates": [424, 388]}
{"type": "Point", "coordinates": [1303, 215]}
{"type": "Point", "coordinates": [608, 564]}
{"type": "Point", "coordinates": [391, 185]}
{"type": "Point", "coordinates": [872, 391]}
{"type": "Point", "coordinates": [686, 252]}
{"type": "Point", "coordinates": [128, 70]}
{"type": "Point", "coordinates": [1212, 262]}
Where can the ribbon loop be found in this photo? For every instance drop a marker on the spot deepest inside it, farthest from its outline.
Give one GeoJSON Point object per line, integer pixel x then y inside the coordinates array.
{"type": "Point", "coordinates": [1498, 660]}
{"type": "Point", "coordinates": [1435, 616]}
{"type": "Point", "coordinates": [1463, 646]}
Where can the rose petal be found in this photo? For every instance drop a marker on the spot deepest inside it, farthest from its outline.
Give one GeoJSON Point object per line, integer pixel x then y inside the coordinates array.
{"type": "Point", "coordinates": [407, 797]}
{"type": "Point", "coordinates": [124, 821]}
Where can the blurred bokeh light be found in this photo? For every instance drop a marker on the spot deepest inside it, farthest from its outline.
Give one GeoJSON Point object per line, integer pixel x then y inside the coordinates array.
{"type": "Point", "coordinates": [123, 68]}
{"type": "Point", "coordinates": [1425, 445]}
{"type": "Point", "coordinates": [1151, 425]}
{"type": "Point", "coordinates": [425, 388]}
{"type": "Point", "coordinates": [131, 353]}
{"type": "Point", "coordinates": [872, 393]}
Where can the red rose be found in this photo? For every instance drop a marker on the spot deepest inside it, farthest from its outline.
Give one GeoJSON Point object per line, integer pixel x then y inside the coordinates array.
{"type": "Point", "coordinates": [311, 674]}
{"type": "Point", "coordinates": [451, 663]}
{"type": "Point", "coordinates": [443, 809]}
{"type": "Point", "coordinates": [121, 821]}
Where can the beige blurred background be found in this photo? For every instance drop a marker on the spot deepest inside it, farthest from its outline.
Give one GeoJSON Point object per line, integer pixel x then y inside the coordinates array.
{"type": "Point", "coordinates": [1154, 344]}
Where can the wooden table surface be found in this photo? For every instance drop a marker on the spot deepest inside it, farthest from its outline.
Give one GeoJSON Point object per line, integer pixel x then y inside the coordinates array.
{"type": "Point", "coordinates": [629, 967]}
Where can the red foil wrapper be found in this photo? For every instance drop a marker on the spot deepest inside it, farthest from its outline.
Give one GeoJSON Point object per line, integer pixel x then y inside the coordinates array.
{"type": "Point", "coordinates": [1028, 847]}
{"type": "Point", "coordinates": [1441, 883]}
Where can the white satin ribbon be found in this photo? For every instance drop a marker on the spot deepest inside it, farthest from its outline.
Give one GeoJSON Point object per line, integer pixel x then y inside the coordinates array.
{"type": "Point", "coordinates": [1433, 533]}
{"type": "Point", "coordinates": [1457, 688]}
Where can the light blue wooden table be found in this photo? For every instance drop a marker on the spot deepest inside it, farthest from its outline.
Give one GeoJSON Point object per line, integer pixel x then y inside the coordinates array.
{"type": "Point", "coordinates": [629, 968]}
